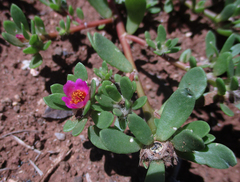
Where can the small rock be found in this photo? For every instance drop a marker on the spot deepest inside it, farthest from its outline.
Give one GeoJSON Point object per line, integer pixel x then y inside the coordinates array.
{"type": "Point", "coordinates": [6, 100]}
{"type": "Point", "coordinates": [60, 136]}
{"type": "Point", "coordinates": [88, 178]}
{"type": "Point", "coordinates": [188, 34]}
{"type": "Point", "coordinates": [15, 103]}
{"type": "Point", "coordinates": [34, 72]}
{"type": "Point", "coordinates": [78, 179]}
{"type": "Point", "coordinates": [58, 51]}
{"type": "Point", "coordinates": [16, 109]}
{"type": "Point", "coordinates": [82, 137]}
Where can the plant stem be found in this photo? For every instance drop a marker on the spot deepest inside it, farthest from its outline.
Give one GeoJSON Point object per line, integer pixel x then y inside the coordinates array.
{"type": "Point", "coordinates": [164, 56]}
{"type": "Point", "coordinates": [85, 25]}
{"type": "Point", "coordinates": [147, 109]}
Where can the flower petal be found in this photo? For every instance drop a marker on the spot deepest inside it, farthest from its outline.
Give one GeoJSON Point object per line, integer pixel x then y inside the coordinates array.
{"type": "Point", "coordinates": [67, 101]}
{"type": "Point", "coordinates": [81, 85]}
{"type": "Point", "coordinates": [69, 88]}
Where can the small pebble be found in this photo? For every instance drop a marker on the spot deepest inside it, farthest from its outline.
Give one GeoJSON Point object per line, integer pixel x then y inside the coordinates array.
{"type": "Point", "coordinates": [60, 136]}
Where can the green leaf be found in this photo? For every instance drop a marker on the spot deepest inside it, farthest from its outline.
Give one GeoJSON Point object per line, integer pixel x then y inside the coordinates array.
{"type": "Point", "coordinates": [79, 127]}
{"type": "Point", "coordinates": [71, 77]}
{"type": "Point", "coordinates": [11, 28]}
{"type": "Point", "coordinates": [104, 100]}
{"type": "Point", "coordinates": [80, 71]}
{"type": "Point", "coordinates": [36, 61]}
{"type": "Point", "coordinates": [113, 93]}
{"type": "Point", "coordinates": [187, 141]}
{"type": "Point", "coordinates": [68, 21]}
{"type": "Point", "coordinates": [221, 66]}
{"type": "Point", "coordinates": [62, 24]}
{"type": "Point", "coordinates": [208, 139]}
{"type": "Point", "coordinates": [140, 129]}
{"type": "Point", "coordinates": [80, 13]}
{"type": "Point", "coordinates": [98, 107]}
{"type": "Point", "coordinates": [70, 125]}
{"type": "Point", "coordinates": [214, 155]}
{"type": "Point", "coordinates": [25, 33]}
{"type": "Point", "coordinates": [55, 101]}
{"type": "Point", "coordinates": [12, 39]}
{"type": "Point", "coordinates": [230, 68]}
{"type": "Point", "coordinates": [70, 10]}
{"type": "Point", "coordinates": [154, 10]}
{"type": "Point", "coordinates": [103, 87]}
{"type": "Point", "coordinates": [147, 35]}
{"type": "Point", "coordinates": [93, 88]}
{"type": "Point", "coordinates": [55, 7]}
{"type": "Point", "coordinates": [161, 34]}
{"type": "Point", "coordinates": [102, 119]}
{"type": "Point", "coordinates": [221, 86]}
{"type": "Point", "coordinates": [156, 172]}
{"type": "Point", "coordinates": [86, 108]}
{"type": "Point", "coordinates": [56, 88]}
{"type": "Point", "coordinates": [135, 14]}
{"type": "Point", "coordinates": [30, 50]}
{"type": "Point", "coordinates": [226, 109]}
{"type": "Point", "coordinates": [176, 111]}
{"type": "Point", "coordinates": [168, 6]}
{"type": "Point", "coordinates": [210, 41]}
{"type": "Point", "coordinates": [46, 45]}
{"type": "Point", "coordinates": [225, 13]}
{"type": "Point", "coordinates": [228, 44]}
{"type": "Point", "coordinates": [173, 43]}
{"type": "Point", "coordinates": [101, 6]}
{"type": "Point", "coordinates": [93, 135]}
{"type": "Point", "coordinates": [150, 43]}
{"type": "Point", "coordinates": [39, 25]}
{"type": "Point", "coordinates": [196, 80]}
{"type": "Point", "coordinates": [33, 39]}
{"type": "Point", "coordinates": [110, 53]}
{"type": "Point", "coordinates": [237, 70]}
{"type": "Point", "coordinates": [117, 78]}
{"type": "Point", "coordinates": [185, 56]}
{"type": "Point", "coordinates": [126, 88]}
{"type": "Point", "coordinates": [224, 32]}
{"type": "Point", "coordinates": [118, 142]}
{"type": "Point", "coordinates": [120, 124]}
{"type": "Point", "coordinates": [140, 102]}
{"type": "Point", "coordinates": [234, 83]}
{"type": "Point", "coordinates": [33, 30]}
{"type": "Point", "coordinates": [193, 62]}
{"type": "Point", "coordinates": [117, 112]}
{"type": "Point", "coordinates": [200, 128]}
{"type": "Point", "coordinates": [235, 50]}
{"type": "Point", "coordinates": [18, 17]}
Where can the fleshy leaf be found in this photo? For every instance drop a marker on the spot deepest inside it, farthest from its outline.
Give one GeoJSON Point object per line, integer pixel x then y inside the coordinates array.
{"type": "Point", "coordinates": [221, 86]}
{"type": "Point", "coordinates": [39, 25]}
{"type": "Point", "coordinates": [104, 100]}
{"type": "Point", "coordinates": [113, 93]}
{"type": "Point", "coordinates": [79, 127]}
{"type": "Point", "coordinates": [210, 41]}
{"type": "Point", "coordinates": [46, 45]}
{"type": "Point", "coordinates": [126, 88]}
{"type": "Point", "coordinates": [36, 61]}
{"type": "Point", "coordinates": [221, 66]}
{"type": "Point", "coordinates": [71, 77]}
{"type": "Point", "coordinates": [69, 125]}
{"type": "Point", "coordinates": [140, 129]}
{"type": "Point", "coordinates": [176, 111]}
{"type": "Point", "coordinates": [12, 39]}
{"type": "Point", "coordinates": [55, 101]}
{"type": "Point", "coordinates": [187, 141]}
{"type": "Point", "coordinates": [226, 13]}
{"type": "Point", "coordinates": [18, 16]}
{"type": "Point", "coordinates": [102, 119]}
{"type": "Point", "coordinates": [30, 50]}
{"type": "Point", "coordinates": [118, 142]}
{"type": "Point", "coordinates": [80, 71]}
{"type": "Point", "coordinates": [156, 172]}
{"type": "Point", "coordinates": [196, 80]}
{"type": "Point", "coordinates": [120, 124]}
{"type": "Point", "coordinates": [93, 88]}
{"type": "Point", "coordinates": [57, 88]}
{"type": "Point", "coordinates": [235, 50]}
{"type": "Point", "coordinates": [208, 139]}
{"type": "Point", "coordinates": [140, 102]}
{"type": "Point", "coordinates": [226, 109]}
{"type": "Point", "coordinates": [101, 7]}
{"type": "Point", "coordinates": [110, 53]}
{"type": "Point", "coordinates": [80, 13]}
{"type": "Point", "coordinates": [185, 56]}
{"type": "Point", "coordinates": [135, 14]}
{"type": "Point", "coordinates": [234, 83]}
{"type": "Point", "coordinates": [228, 44]}
{"type": "Point", "coordinates": [93, 135]}
{"type": "Point", "coordinates": [86, 108]}
{"type": "Point", "coordinates": [161, 34]}
{"type": "Point", "coordinates": [11, 28]}
{"type": "Point", "coordinates": [214, 155]}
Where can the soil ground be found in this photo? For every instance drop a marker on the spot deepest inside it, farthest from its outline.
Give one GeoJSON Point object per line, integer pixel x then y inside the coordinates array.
{"type": "Point", "coordinates": [75, 158]}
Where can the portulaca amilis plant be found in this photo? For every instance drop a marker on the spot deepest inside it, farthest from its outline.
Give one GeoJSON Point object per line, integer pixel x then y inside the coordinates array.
{"type": "Point", "coordinates": [160, 137]}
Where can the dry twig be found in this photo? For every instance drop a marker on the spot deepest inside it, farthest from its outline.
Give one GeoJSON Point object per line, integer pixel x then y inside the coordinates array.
{"type": "Point", "coordinates": [36, 168]}
{"type": "Point", "coordinates": [20, 131]}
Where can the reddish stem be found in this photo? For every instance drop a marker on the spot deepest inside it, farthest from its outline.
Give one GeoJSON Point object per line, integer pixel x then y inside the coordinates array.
{"type": "Point", "coordinates": [85, 25]}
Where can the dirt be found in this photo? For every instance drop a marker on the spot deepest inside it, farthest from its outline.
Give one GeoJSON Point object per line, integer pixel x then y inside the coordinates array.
{"type": "Point", "coordinates": [75, 158]}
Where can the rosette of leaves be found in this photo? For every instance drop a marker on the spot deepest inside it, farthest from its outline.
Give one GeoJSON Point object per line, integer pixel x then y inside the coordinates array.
{"type": "Point", "coordinates": [161, 45]}
{"type": "Point", "coordinates": [54, 100]}
{"type": "Point", "coordinates": [224, 61]}
{"type": "Point", "coordinates": [18, 33]}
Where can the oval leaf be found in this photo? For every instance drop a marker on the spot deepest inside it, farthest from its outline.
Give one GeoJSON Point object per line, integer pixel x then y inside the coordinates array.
{"type": "Point", "coordinates": [126, 88]}
{"type": "Point", "coordinates": [69, 125]}
{"type": "Point", "coordinates": [196, 80]}
{"type": "Point", "coordinates": [226, 109]}
{"type": "Point", "coordinates": [156, 172]}
{"type": "Point", "coordinates": [221, 64]}
{"type": "Point", "coordinates": [101, 7]}
{"type": "Point", "coordinates": [118, 142]}
{"type": "Point", "coordinates": [140, 129]}
{"type": "Point", "coordinates": [93, 135]}
{"type": "Point", "coordinates": [18, 16]}
{"type": "Point", "coordinates": [110, 53]}
{"type": "Point", "coordinates": [80, 71]}
{"type": "Point", "coordinates": [140, 102]}
{"type": "Point", "coordinates": [79, 127]}
{"type": "Point", "coordinates": [102, 119]}
{"type": "Point", "coordinates": [36, 61]}
{"type": "Point", "coordinates": [176, 111]}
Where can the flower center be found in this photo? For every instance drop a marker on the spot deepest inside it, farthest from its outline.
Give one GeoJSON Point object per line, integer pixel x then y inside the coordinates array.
{"type": "Point", "coordinates": [77, 96]}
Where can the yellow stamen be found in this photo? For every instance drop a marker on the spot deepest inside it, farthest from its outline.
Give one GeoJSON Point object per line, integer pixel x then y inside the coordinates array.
{"type": "Point", "coordinates": [77, 96]}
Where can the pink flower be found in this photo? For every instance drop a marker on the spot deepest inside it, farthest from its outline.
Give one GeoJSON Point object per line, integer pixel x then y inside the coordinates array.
{"type": "Point", "coordinates": [20, 37]}
{"type": "Point", "coordinates": [77, 94]}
